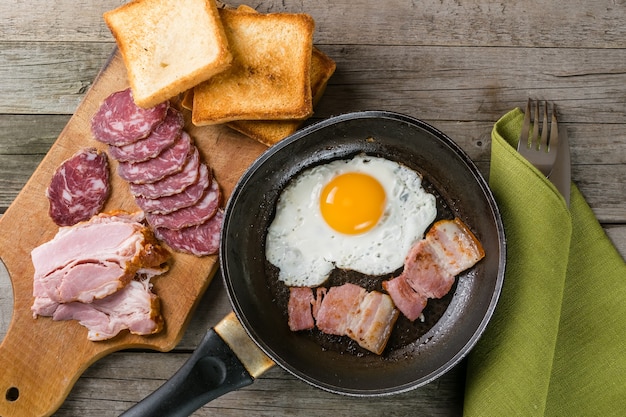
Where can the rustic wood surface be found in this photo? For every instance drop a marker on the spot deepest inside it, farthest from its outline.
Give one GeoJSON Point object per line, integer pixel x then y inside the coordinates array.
{"type": "Point", "coordinates": [458, 65]}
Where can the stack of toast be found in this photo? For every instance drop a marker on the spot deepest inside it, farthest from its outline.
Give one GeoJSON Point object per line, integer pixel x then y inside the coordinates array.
{"type": "Point", "coordinates": [257, 73]}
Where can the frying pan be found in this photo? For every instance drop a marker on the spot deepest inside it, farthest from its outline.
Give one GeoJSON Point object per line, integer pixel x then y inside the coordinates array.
{"type": "Point", "coordinates": [227, 359]}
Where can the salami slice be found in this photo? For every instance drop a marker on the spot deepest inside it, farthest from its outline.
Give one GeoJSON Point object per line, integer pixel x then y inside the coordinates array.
{"type": "Point", "coordinates": [171, 184]}
{"type": "Point", "coordinates": [168, 162]}
{"type": "Point", "coordinates": [200, 240]}
{"type": "Point", "coordinates": [188, 197]}
{"type": "Point", "coordinates": [192, 215]}
{"type": "Point", "coordinates": [79, 187]}
{"type": "Point", "coordinates": [163, 136]}
{"type": "Point", "coordinates": [119, 121]}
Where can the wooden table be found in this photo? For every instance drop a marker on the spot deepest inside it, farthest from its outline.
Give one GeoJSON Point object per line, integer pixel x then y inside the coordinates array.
{"type": "Point", "coordinates": [458, 65]}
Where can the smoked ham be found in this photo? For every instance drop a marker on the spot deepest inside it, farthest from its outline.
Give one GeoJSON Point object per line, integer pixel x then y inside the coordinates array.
{"type": "Point", "coordinates": [134, 307]}
{"type": "Point", "coordinates": [92, 261]}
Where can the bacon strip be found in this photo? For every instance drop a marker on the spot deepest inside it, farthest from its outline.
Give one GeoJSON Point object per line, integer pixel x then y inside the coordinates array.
{"type": "Point", "coordinates": [347, 310]}
{"type": "Point", "coordinates": [299, 307]}
{"type": "Point", "coordinates": [448, 248]}
{"type": "Point", "coordinates": [371, 324]}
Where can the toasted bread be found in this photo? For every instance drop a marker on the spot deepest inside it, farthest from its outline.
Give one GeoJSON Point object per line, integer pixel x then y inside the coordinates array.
{"type": "Point", "coordinates": [269, 78]}
{"type": "Point", "coordinates": [154, 39]}
{"type": "Point", "coordinates": [269, 132]}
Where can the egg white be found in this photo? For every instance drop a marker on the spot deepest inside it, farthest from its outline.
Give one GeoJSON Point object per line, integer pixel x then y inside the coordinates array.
{"type": "Point", "coordinates": [306, 249]}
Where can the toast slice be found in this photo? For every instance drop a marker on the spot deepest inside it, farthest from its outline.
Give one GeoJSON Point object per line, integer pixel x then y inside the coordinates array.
{"type": "Point", "coordinates": [269, 78]}
{"type": "Point", "coordinates": [270, 132]}
{"type": "Point", "coordinates": [154, 39]}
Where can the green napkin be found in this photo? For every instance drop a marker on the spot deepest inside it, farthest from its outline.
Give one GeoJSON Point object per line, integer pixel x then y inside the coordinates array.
{"type": "Point", "coordinates": [556, 345]}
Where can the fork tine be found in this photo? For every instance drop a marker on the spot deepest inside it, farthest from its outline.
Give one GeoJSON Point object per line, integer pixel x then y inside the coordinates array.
{"type": "Point", "coordinates": [554, 130]}
{"type": "Point", "coordinates": [543, 145]}
{"type": "Point", "coordinates": [540, 148]}
{"type": "Point", "coordinates": [535, 136]}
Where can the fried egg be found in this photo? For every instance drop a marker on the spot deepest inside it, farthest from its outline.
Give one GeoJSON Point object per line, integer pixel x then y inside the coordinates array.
{"type": "Point", "coordinates": [361, 214]}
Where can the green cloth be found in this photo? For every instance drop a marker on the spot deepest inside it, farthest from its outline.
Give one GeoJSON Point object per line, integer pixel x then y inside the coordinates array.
{"type": "Point", "coordinates": [556, 345]}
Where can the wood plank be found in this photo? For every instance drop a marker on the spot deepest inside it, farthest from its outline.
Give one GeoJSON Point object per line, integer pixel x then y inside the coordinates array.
{"type": "Point", "coordinates": [48, 77]}
{"type": "Point", "coordinates": [422, 83]}
{"type": "Point", "coordinates": [115, 383]}
{"type": "Point", "coordinates": [394, 22]}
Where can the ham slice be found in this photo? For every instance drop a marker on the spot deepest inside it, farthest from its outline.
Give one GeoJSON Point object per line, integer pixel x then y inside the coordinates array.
{"type": "Point", "coordinates": [134, 307]}
{"type": "Point", "coordinates": [94, 259]}
{"type": "Point", "coordinates": [430, 268]}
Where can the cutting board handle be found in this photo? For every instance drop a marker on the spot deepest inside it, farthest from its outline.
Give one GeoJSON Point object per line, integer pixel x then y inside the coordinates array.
{"type": "Point", "coordinates": [211, 371]}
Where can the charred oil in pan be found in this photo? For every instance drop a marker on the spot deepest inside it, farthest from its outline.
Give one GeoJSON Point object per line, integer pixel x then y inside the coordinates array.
{"type": "Point", "coordinates": [404, 333]}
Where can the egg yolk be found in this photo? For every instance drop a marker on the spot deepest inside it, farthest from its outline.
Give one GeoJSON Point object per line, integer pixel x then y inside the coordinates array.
{"type": "Point", "coordinates": [352, 203]}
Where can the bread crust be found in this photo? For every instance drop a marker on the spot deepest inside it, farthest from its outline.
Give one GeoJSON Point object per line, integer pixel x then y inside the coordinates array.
{"type": "Point", "coordinates": [270, 132]}
{"type": "Point", "coordinates": [269, 78]}
{"type": "Point", "coordinates": [154, 36]}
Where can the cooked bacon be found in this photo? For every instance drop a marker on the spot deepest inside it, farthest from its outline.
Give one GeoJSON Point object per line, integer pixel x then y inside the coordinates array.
{"type": "Point", "coordinates": [337, 305]}
{"type": "Point", "coordinates": [370, 325]}
{"type": "Point", "coordinates": [93, 259]}
{"type": "Point", "coordinates": [424, 272]}
{"type": "Point", "coordinates": [320, 292]}
{"type": "Point", "coordinates": [134, 307]}
{"type": "Point", "coordinates": [406, 299]}
{"type": "Point", "coordinates": [458, 247]}
{"type": "Point", "coordinates": [346, 310]}
{"type": "Point", "coordinates": [299, 308]}
{"type": "Point", "coordinates": [430, 268]}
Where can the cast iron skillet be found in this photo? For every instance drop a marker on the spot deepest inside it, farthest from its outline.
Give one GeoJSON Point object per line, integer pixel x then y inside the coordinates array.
{"type": "Point", "coordinates": [462, 192]}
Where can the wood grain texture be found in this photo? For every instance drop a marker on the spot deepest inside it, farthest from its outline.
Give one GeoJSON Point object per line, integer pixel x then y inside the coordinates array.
{"type": "Point", "coordinates": [458, 65]}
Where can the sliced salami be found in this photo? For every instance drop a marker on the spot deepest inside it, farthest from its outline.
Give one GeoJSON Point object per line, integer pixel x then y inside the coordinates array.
{"type": "Point", "coordinates": [172, 184]}
{"type": "Point", "coordinates": [192, 215]}
{"type": "Point", "coordinates": [79, 187]}
{"type": "Point", "coordinates": [163, 136]}
{"type": "Point", "coordinates": [200, 240]}
{"type": "Point", "coordinates": [119, 121]}
{"type": "Point", "coordinates": [188, 197]}
{"type": "Point", "coordinates": [170, 161]}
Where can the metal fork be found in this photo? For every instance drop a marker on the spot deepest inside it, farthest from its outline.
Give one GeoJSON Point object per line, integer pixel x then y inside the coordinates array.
{"type": "Point", "coordinates": [541, 150]}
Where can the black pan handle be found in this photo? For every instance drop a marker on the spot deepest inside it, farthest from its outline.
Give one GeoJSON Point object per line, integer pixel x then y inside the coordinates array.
{"type": "Point", "coordinates": [211, 371]}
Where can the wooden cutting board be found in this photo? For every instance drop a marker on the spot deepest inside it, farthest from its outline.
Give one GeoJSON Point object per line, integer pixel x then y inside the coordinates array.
{"type": "Point", "coordinates": [41, 359]}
